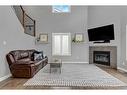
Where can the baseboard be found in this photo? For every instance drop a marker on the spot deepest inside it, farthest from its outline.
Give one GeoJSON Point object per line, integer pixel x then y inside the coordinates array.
{"type": "Point", "coordinates": [5, 77]}
{"type": "Point", "coordinates": [75, 62]}
{"type": "Point", "coordinates": [119, 68]}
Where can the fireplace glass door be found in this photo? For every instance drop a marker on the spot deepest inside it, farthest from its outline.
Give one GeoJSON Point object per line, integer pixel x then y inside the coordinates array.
{"type": "Point", "coordinates": [102, 57]}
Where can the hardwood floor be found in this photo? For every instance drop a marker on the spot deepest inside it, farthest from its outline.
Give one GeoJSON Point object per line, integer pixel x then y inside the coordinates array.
{"type": "Point", "coordinates": [17, 83]}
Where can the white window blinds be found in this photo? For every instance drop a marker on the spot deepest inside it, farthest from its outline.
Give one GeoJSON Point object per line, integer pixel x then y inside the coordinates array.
{"type": "Point", "coordinates": [61, 44]}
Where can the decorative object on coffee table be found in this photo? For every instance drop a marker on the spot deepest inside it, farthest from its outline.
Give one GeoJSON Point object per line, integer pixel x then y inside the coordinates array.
{"type": "Point", "coordinates": [56, 64]}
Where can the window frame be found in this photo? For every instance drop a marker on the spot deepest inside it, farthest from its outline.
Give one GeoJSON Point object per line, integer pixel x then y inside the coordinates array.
{"type": "Point", "coordinates": [69, 41]}
{"type": "Point", "coordinates": [69, 9]}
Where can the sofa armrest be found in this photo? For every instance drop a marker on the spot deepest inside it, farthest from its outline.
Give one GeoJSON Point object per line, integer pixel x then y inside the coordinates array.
{"type": "Point", "coordinates": [24, 62]}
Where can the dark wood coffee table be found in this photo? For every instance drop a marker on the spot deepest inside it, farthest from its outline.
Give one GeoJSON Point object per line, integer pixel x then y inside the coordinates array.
{"type": "Point", "coordinates": [56, 64]}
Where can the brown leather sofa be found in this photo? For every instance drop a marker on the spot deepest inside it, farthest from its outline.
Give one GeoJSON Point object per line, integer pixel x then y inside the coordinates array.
{"type": "Point", "coordinates": [21, 64]}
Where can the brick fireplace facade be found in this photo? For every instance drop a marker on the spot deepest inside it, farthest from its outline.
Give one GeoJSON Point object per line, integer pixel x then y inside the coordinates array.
{"type": "Point", "coordinates": [104, 55]}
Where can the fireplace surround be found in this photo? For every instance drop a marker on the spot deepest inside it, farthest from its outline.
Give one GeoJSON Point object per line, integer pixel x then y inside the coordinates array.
{"type": "Point", "coordinates": [112, 61]}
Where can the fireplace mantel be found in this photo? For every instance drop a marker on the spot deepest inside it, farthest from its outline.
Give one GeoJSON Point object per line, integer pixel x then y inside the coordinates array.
{"type": "Point", "coordinates": [113, 54]}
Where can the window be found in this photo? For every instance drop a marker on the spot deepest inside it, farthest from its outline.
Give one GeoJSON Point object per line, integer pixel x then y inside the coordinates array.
{"type": "Point", "coordinates": [61, 44]}
{"type": "Point", "coordinates": [60, 8]}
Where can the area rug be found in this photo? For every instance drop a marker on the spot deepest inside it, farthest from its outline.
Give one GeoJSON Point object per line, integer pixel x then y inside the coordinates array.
{"type": "Point", "coordinates": [74, 75]}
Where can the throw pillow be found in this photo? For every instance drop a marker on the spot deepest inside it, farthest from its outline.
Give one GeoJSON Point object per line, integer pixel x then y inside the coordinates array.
{"type": "Point", "coordinates": [34, 55]}
{"type": "Point", "coordinates": [37, 56]}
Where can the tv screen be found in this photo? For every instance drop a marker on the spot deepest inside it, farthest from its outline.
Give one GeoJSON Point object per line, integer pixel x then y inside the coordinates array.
{"type": "Point", "coordinates": [101, 33]}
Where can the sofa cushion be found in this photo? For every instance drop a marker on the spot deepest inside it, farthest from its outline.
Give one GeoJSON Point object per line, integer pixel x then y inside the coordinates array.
{"type": "Point", "coordinates": [23, 55]}
{"type": "Point", "coordinates": [15, 54]}
{"type": "Point", "coordinates": [25, 59]}
{"type": "Point", "coordinates": [20, 54]}
{"type": "Point", "coordinates": [31, 52]}
{"type": "Point", "coordinates": [24, 62]}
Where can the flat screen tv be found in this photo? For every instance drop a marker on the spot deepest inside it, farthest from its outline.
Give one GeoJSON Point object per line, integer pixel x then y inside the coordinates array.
{"type": "Point", "coordinates": [104, 33]}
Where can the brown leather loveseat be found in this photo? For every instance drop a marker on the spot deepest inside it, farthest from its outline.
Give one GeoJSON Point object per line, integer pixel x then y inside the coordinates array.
{"type": "Point", "coordinates": [22, 65]}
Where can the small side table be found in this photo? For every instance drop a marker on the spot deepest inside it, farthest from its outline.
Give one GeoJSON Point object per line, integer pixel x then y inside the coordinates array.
{"type": "Point", "coordinates": [55, 64]}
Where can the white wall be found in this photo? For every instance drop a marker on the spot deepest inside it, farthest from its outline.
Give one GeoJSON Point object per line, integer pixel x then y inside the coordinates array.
{"type": "Point", "coordinates": [73, 22]}
{"type": "Point", "coordinates": [123, 13]}
{"type": "Point", "coordinates": [105, 15]}
{"type": "Point", "coordinates": [11, 37]}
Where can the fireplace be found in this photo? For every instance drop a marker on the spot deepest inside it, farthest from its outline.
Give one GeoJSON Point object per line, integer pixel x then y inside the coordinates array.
{"type": "Point", "coordinates": [101, 57]}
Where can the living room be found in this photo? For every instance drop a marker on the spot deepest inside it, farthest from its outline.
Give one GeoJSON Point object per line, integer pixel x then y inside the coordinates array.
{"type": "Point", "coordinates": [77, 21]}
